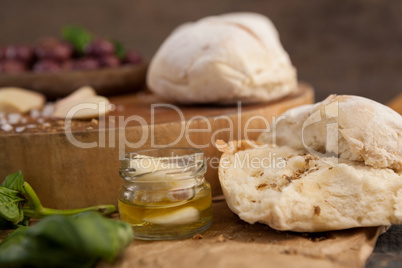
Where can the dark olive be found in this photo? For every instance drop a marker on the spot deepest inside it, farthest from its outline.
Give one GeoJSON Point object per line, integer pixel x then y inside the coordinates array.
{"type": "Point", "coordinates": [12, 67]}
{"type": "Point", "coordinates": [47, 66]}
{"type": "Point", "coordinates": [100, 48]}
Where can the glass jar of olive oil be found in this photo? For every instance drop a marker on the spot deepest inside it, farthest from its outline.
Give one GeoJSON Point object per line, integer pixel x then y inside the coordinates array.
{"type": "Point", "coordinates": [165, 194]}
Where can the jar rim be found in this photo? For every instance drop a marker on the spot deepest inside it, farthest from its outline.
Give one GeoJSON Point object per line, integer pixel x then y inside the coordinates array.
{"type": "Point", "coordinates": [146, 153]}
{"type": "Point", "coordinates": [173, 161]}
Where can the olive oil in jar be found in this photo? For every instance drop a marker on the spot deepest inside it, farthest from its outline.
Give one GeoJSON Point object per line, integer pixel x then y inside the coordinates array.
{"type": "Point", "coordinates": [170, 220]}
{"type": "Point", "coordinates": [165, 204]}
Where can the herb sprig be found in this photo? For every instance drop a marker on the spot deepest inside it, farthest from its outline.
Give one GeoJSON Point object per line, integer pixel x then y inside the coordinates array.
{"type": "Point", "coordinates": [19, 203]}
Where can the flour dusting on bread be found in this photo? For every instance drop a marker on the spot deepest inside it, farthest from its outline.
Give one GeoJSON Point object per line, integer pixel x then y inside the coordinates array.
{"type": "Point", "coordinates": [223, 59]}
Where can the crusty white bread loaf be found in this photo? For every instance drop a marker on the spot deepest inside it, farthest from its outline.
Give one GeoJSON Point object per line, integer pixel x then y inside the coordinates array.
{"type": "Point", "coordinates": [222, 59]}
{"type": "Point", "coordinates": [364, 130]}
{"type": "Point", "coordinates": [290, 189]}
{"type": "Point", "coordinates": [335, 165]}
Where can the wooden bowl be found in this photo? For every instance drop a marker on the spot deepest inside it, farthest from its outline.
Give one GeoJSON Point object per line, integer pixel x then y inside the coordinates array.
{"type": "Point", "coordinates": [106, 82]}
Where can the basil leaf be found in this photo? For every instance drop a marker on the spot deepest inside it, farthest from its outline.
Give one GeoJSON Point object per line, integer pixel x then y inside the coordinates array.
{"type": "Point", "coordinates": [14, 238]}
{"type": "Point", "coordinates": [11, 201]}
{"type": "Point", "coordinates": [14, 181]}
{"type": "Point", "coordinates": [119, 49]}
{"type": "Point", "coordinates": [11, 205]}
{"type": "Point", "coordinates": [116, 235]}
{"type": "Point", "coordinates": [60, 241]}
{"type": "Point", "coordinates": [77, 36]}
{"type": "Point", "coordinates": [21, 248]}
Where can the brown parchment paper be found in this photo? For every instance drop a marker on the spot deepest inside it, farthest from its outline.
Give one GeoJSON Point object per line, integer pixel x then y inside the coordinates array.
{"type": "Point", "coordinates": [230, 242]}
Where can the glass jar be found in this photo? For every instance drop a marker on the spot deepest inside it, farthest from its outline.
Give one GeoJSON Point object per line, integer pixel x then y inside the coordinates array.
{"type": "Point", "coordinates": [165, 194]}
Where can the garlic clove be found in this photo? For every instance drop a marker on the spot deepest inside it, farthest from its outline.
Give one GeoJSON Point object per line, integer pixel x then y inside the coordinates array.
{"type": "Point", "coordinates": [19, 100]}
{"type": "Point", "coordinates": [181, 216]}
{"type": "Point", "coordinates": [80, 94]}
{"type": "Point", "coordinates": [92, 107]}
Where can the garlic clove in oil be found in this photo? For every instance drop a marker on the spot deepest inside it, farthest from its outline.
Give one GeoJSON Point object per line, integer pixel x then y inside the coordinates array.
{"type": "Point", "coordinates": [176, 217]}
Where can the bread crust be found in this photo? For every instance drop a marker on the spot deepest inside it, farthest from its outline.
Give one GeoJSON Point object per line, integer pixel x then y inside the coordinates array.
{"type": "Point", "coordinates": [223, 59]}
{"type": "Point", "coordinates": [367, 131]}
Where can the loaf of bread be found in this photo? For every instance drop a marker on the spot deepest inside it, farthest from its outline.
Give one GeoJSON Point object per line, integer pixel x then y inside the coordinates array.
{"type": "Point", "coordinates": [297, 191]}
{"type": "Point", "coordinates": [222, 59]}
{"type": "Point", "coordinates": [365, 130]}
{"type": "Point", "coordinates": [335, 165]}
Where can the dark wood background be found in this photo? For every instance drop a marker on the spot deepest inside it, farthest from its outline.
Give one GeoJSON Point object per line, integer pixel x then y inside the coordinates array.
{"type": "Point", "coordinates": [348, 46]}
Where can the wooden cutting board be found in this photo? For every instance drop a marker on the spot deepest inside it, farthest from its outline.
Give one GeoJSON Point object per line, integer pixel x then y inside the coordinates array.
{"type": "Point", "coordinates": [396, 103]}
{"type": "Point", "coordinates": [67, 176]}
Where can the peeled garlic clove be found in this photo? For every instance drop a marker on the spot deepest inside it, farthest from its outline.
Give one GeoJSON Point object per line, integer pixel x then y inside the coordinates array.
{"type": "Point", "coordinates": [176, 217]}
{"type": "Point", "coordinates": [92, 107]}
{"type": "Point", "coordinates": [78, 95]}
{"type": "Point", "coordinates": [18, 100]}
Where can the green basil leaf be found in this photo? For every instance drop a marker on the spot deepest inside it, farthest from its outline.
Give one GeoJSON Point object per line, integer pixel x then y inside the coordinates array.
{"type": "Point", "coordinates": [60, 241]}
{"type": "Point", "coordinates": [77, 36]}
{"type": "Point", "coordinates": [116, 235]}
{"type": "Point", "coordinates": [119, 49]}
{"type": "Point", "coordinates": [11, 205]}
{"type": "Point", "coordinates": [15, 237]}
{"type": "Point", "coordinates": [11, 247]}
{"type": "Point", "coordinates": [59, 230]}
{"type": "Point", "coordinates": [22, 248]}
{"type": "Point", "coordinates": [15, 182]}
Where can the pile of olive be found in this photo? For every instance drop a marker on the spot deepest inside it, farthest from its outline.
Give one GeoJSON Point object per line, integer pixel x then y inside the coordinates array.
{"type": "Point", "coordinates": [53, 55]}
